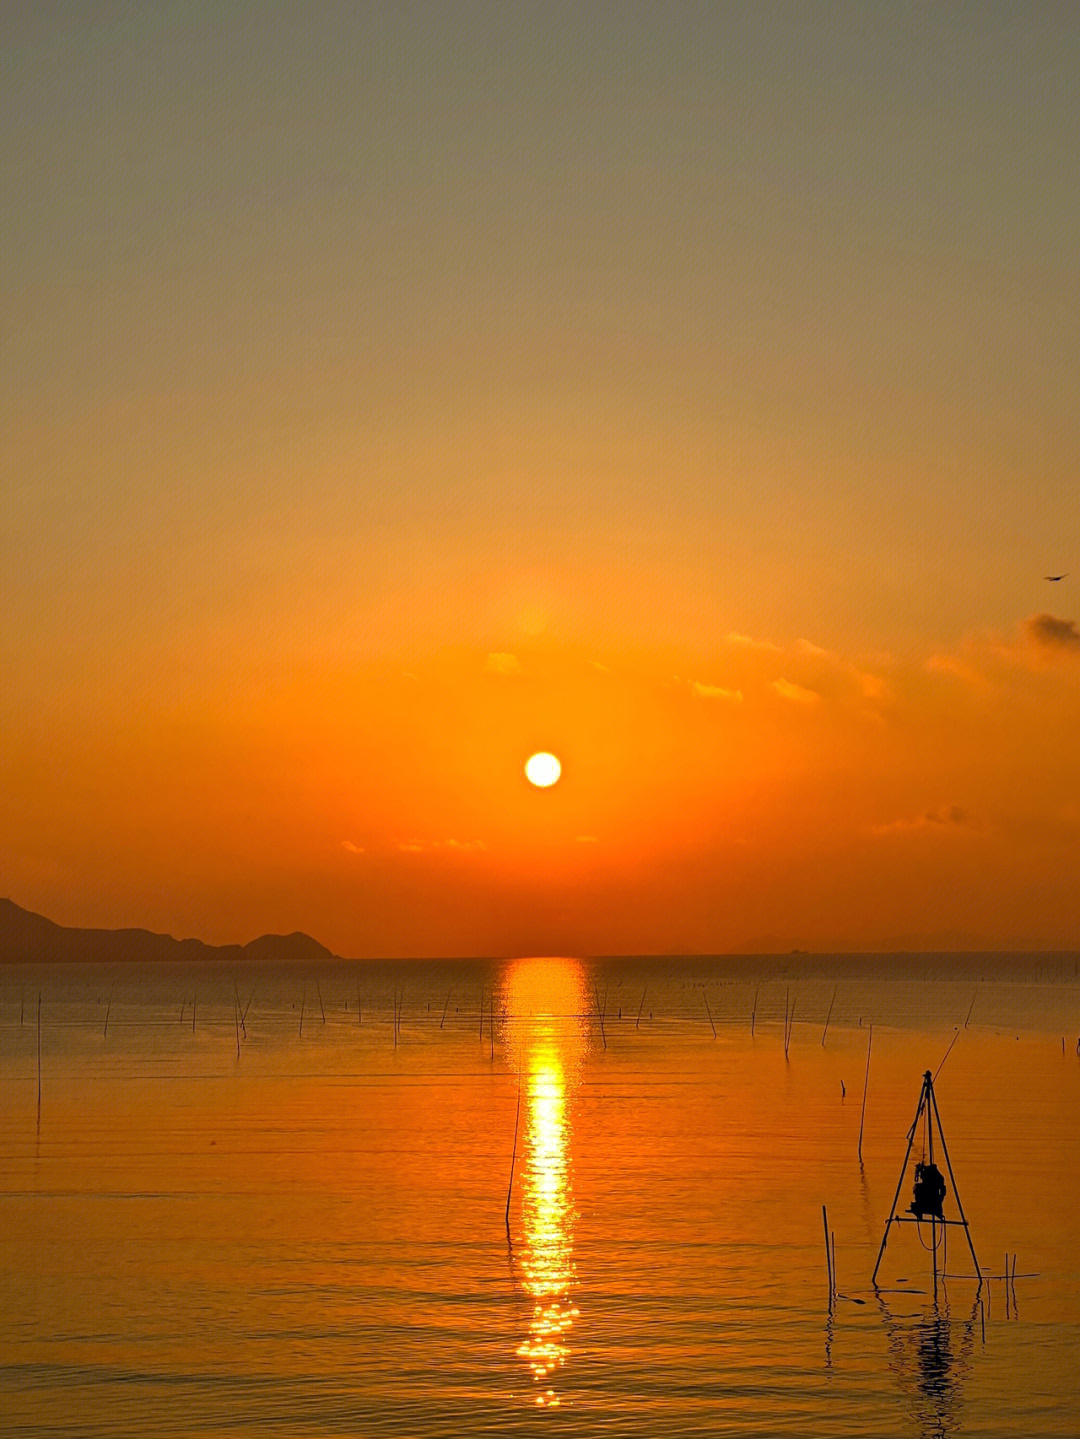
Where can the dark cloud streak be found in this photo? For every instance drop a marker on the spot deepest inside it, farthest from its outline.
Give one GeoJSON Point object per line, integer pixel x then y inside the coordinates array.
{"type": "Point", "coordinates": [1052, 633]}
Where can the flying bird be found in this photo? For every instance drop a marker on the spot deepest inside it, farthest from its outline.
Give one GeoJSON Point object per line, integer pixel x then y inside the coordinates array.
{"type": "Point", "coordinates": [1054, 578]}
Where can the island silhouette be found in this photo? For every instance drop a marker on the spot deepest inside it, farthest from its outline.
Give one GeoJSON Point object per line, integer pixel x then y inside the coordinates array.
{"type": "Point", "coordinates": [29, 938]}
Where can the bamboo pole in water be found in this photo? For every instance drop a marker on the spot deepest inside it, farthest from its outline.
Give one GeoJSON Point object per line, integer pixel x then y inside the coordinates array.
{"type": "Point", "coordinates": [445, 1007]}
{"type": "Point", "coordinates": [828, 1252]}
{"type": "Point", "coordinates": [194, 1002]}
{"type": "Point", "coordinates": [708, 1011]}
{"type": "Point", "coordinates": [641, 1006]}
{"type": "Point", "coordinates": [600, 1012]}
{"type": "Point", "coordinates": [39, 1056]}
{"type": "Point", "coordinates": [825, 1031]}
{"type": "Point", "coordinates": [866, 1081]}
{"type": "Point", "coordinates": [753, 1009]}
{"type": "Point", "coordinates": [513, 1157]}
{"type": "Point", "coordinates": [108, 1007]}
{"type": "Point", "coordinates": [303, 1003]}
{"type": "Point", "coordinates": [239, 1010]}
{"type": "Point", "coordinates": [318, 991]}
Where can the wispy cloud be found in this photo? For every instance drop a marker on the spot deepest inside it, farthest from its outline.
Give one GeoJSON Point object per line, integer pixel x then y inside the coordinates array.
{"type": "Point", "coordinates": [715, 692]}
{"type": "Point", "coordinates": [429, 846]}
{"type": "Point", "coordinates": [353, 848]}
{"type": "Point", "coordinates": [946, 816]}
{"type": "Point", "coordinates": [797, 694]}
{"type": "Point", "coordinates": [501, 663]}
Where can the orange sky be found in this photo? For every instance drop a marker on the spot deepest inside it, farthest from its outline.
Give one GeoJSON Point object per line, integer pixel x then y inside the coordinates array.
{"type": "Point", "coordinates": [684, 389]}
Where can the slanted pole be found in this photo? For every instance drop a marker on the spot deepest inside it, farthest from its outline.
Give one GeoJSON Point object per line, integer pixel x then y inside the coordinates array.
{"type": "Point", "coordinates": [952, 1177]}
{"type": "Point", "coordinates": [903, 1172]}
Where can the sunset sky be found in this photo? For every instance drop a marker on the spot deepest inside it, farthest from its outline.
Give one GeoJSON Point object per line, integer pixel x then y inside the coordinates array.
{"type": "Point", "coordinates": [392, 390]}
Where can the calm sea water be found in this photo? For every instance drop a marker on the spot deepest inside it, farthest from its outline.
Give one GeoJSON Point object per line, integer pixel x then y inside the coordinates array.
{"type": "Point", "coordinates": [297, 1224]}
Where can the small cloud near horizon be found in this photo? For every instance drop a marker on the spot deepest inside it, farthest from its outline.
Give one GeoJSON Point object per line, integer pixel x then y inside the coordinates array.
{"type": "Point", "coordinates": [946, 816]}
{"type": "Point", "coordinates": [715, 692]}
{"type": "Point", "coordinates": [501, 663]}
{"type": "Point", "coordinates": [797, 694]}
{"type": "Point", "coordinates": [352, 848]}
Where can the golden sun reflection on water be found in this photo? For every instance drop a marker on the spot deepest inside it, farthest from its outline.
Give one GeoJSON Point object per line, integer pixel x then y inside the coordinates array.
{"type": "Point", "coordinates": [545, 1005]}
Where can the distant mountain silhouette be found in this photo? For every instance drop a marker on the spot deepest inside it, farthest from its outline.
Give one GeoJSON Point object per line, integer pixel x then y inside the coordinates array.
{"type": "Point", "coordinates": [29, 937]}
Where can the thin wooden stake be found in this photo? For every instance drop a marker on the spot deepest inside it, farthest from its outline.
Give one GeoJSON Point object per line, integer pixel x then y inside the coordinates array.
{"type": "Point", "coordinates": [491, 1025]}
{"type": "Point", "coordinates": [708, 1011]}
{"type": "Point", "coordinates": [318, 991]}
{"type": "Point", "coordinates": [236, 1021]}
{"type": "Point", "coordinates": [825, 1031]}
{"type": "Point", "coordinates": [194, 1002]}
{"type": "Point", "coordinates": [239, 1010]}
{"type": "Point", "coordinates": [974, 997]}
{"type": "Point", "coordinates": [39, 1056]}
{"type": "Point", "coordinates": [790, 1027]}
{"type": "Point", "coordinates": [866, 1081]}
{"type": "Point", "coordinates": [481, 1014]}
{"type": "Point", "coordinates": [600, 1012]}
{"type": "Point", "coordinates": [445, 1007]}
{"type": "Point", "coordinates": [828, 1252]}
{"type": "Point", "coordinates": [753, 1010]}
{"type": "Point", "coordinates": [303, 1004]}
{"type": "Point", "coordinates": [358, 999]}
{"type": "Point", "coordinates": [513, 1157]}
{"type": "Point", "coordinates": [108, 1007]}
{"type": "Point", "coordinates": [641, 1006]}
{"type": "Point", "coordinates": [244, 1011]}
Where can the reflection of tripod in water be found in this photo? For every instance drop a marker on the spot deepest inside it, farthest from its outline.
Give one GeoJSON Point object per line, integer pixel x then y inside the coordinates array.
{"type": "Point", "coordinates": [930, 1187]}
{"type": "Point", "coordinates": [929, 1366]}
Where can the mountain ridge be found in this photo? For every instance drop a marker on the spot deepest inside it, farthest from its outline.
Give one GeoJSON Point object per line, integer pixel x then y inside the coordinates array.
{"type": "Point", "coordinates": [26, 937]}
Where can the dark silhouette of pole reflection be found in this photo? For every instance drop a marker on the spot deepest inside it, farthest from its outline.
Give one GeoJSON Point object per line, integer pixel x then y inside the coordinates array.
{"type": "Point", "coordinates": [930, 1354]}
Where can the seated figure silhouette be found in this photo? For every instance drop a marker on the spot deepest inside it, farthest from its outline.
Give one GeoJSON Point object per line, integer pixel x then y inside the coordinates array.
{"type": "Point", "coordinates": [929, 1192]}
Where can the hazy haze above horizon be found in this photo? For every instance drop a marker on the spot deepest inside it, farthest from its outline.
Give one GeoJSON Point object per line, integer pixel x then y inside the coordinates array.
{"type": "Point", "coordinates": [690, 390]}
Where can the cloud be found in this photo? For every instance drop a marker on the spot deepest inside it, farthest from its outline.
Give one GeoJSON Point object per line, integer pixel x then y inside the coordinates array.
{"type": "Point", "coordinates": [499, 663]}
{"type": "Point", "coordinates": [946, 816]}
{"type": "Point", "coordinates": [352, 848]}
{"type": "Point", "coordinates": [953, 665]}
{"type": "Point", "coordinates": [747, 642]}
{"type": "Point", "coordinates": [460, 846]}
{"type": "Point", "coordinates": [1051, 633]}
{"type": "Point", "coordinates": [797, 694]}
{"type": "Point", "coordinates": [715, 692]}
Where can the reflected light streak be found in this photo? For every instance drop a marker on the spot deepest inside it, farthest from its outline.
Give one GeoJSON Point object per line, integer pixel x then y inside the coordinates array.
{"type": "Point", "coordinates": [545, 1004]}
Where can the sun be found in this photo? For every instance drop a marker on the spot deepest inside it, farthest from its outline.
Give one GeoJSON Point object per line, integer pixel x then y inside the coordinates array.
{"type": "Point", "coordinates": [542, 770]}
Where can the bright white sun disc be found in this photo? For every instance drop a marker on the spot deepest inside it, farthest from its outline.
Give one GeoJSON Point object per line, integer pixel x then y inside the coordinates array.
{"type": "Point", "coordinates": [542, 770]}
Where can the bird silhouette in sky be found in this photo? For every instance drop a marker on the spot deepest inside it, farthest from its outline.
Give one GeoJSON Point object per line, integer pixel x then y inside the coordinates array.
{"type": "Point", "coordinates": [1054, 578]}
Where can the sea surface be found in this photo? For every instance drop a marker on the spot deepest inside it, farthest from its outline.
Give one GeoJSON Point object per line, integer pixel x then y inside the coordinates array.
{"type": "Point", "coordinates": [543, 1196]}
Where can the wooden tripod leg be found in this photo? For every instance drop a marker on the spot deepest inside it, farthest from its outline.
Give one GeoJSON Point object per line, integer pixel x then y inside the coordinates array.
{"type": "Point", "coordinates": [900, 1182]}
{"type": "Point", "coordinates": [952, 1176]}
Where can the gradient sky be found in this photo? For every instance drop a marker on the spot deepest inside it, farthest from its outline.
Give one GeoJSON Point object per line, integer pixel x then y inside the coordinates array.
{"type": "Point", "coordinates": [390, 390]}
